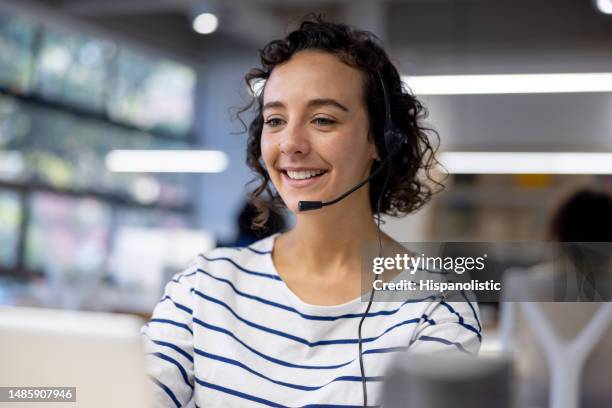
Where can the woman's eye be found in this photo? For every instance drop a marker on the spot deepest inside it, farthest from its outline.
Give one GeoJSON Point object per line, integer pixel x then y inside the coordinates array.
{"type": "Point", "coordinates": [273, 122]}
{"type": "Point", "coordinates": [323, 121]}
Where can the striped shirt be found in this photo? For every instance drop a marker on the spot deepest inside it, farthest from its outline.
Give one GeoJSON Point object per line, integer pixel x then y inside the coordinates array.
{"type": "Point", "coordinates": [228, 332]}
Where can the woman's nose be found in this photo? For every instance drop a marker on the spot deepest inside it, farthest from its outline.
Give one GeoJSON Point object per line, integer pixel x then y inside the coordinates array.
{"type": "Point", "coordinates": [295, 141]}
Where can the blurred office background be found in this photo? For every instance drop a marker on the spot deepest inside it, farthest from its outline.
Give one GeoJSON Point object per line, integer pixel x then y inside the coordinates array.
{"type": "Point", "coordinates": [81, 78]}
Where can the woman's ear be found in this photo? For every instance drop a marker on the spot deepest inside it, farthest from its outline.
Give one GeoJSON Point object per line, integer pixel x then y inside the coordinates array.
{"type": "Point", "coordinates": [374, 150]}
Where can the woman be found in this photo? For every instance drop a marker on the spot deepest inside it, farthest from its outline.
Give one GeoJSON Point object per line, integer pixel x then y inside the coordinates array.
{"type": "Point", "coordinates": [276, 323]}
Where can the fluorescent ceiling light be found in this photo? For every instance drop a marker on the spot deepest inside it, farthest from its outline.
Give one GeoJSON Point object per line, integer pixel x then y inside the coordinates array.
{"type": "Point", "coordinates": [526, 163]}
{"type": "Point", "coordinates": [509, 84]}
{"type": "Point", "coordinates": [605, 6]}
{"type": "Point", "coordinates": [166, 161]}
{"type": "Point", "coordinates": [205, 23]}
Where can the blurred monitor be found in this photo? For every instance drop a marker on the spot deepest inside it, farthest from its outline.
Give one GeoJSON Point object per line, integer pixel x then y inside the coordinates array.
{"type": "Point", "coordinates": [67, 237]}
{"type": "Point", "coordinates": [99, 354]}
{"type": "Point", "coordinates": [73, 68]}
{"type": "Point", "coordinates": [143, 259]}
{"type": "Point", "coordinates": [152, 93]}
{"type": "Point", "coordinates": [16, 37]}
{"type": "Point", "coordinates": [442, 381]}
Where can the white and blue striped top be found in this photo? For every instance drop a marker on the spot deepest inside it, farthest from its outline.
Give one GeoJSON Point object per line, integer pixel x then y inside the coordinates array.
{"type": "Point", "coordinates": [228, 332]}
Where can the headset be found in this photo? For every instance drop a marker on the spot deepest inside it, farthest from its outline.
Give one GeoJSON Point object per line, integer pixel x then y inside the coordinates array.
{"type": "Point", "coordinates": [394, 139]}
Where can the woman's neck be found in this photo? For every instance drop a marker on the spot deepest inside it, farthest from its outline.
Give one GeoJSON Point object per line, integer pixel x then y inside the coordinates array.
{"type": "Point", "coordinates": [330, 239]}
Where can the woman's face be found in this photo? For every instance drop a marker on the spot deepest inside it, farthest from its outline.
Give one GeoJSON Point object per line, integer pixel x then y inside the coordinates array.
{"type": "Point", "coordinates": [315, 141]}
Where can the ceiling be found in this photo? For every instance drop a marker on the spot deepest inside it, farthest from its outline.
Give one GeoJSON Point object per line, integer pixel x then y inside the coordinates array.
{"type": "Point", "coordinates": [429, 28]}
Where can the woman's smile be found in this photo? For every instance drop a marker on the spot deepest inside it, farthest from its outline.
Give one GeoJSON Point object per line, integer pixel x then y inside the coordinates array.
{"type": "Point", "coordinates": [302, 178]}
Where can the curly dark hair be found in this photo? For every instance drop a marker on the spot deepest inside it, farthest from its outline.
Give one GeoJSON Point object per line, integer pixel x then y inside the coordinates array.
{"type": "Point", "coordinates": [408, 187]}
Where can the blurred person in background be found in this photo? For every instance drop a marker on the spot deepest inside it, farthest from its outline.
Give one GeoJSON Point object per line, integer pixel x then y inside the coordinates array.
{"type": "Point", "coordinates": [276, 323]}
{"type": "Point", "coordinates": [579, 280]}
{"type": "Point", "coordinates": [584, 216]}
{"type": "Point", "coordinates": [582, 220]}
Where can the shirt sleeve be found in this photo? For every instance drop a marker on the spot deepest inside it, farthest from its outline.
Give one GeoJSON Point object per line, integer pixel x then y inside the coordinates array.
{"type": "Point", "coordinates": [450, 328]}
{"type": "Point", "coordinates": [168, 343]}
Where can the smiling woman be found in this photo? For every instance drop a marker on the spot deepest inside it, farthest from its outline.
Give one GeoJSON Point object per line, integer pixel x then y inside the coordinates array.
{"type": "Point", "coordinates": [346, 90]}
{"type": "Point", "coordinates": [282, 323]}
{"type": "Point", "coordinates": [310, 123]}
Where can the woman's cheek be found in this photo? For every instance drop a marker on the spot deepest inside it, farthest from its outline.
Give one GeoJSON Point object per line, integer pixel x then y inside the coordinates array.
{"type": "Point", "coordinates": [340, 153]}
{"type": "Point", "coordinates": [266, 145]}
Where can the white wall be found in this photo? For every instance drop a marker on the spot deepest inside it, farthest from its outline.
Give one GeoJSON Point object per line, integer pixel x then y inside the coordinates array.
{"type": "Point", "coordinates": [537, 122]}
{"type": "Point", "coordinates": [220, 196]}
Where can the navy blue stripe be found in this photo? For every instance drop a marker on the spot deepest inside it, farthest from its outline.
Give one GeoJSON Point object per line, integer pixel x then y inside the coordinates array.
{"type": "Point", "coordinates": [172, 346]}
{"type": "Point", "coordinates": [177, 364]}
{"type": "Point", "coordinates": [257, 251]}
{"type": "Point", "coordinates": [265, 401]}
{"type": "Point", "coordinates": [266, 357]}
{"type": "Point", "coordinates": [427, 319]}
{"type": "Point", "coordinates": [178, 305]}
{"type": "Point", "coordinates": [285, 363]}
{"type": "Point", "coordinates": [177, 280]}
{"type": "Point", "coordinates": [249, 323]}
{"type": "Point", "coordinates": [249, 296]}
{"type": "Point", "coordinates": [473, 310]}
{"type": "Point", "coordinates": [307, 316]}
{"type": "Point", "coordinates": [262, 355]}
{"type": "Point", "coordinates": [293, 310]}
{"type": "Point", "coordinates": [238, 394]}
{"type": "Point", "coordinates": [255, 325]}
{"type": "Point", "coordinates": [299, 339]}
{"type": "Point", "coordinates": [443, 341]}
{"type": "Point", "coordinates": [167, 390]}
{"type": "Point", "coordinates": [263, 275]}
{"type": "Point", "coordinates": [461, 321]}
{"type": "Point", "coordinates": [357, 378]}
{"type": "Point", "coordinates": [386, 350]}
{"type": "Point", "coordinates": [285, 384]}
{"type": "Point", "coordinates": [172, 322]}
{"type": "Point", "coordinates": [409, 321]}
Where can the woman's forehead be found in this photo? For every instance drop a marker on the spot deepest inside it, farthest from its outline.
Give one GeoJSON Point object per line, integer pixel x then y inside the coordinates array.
{"type": "Point", "coordinates": [314, 75]}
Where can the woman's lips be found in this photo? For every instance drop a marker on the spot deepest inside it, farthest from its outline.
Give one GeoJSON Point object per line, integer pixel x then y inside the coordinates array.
{"type": "Point", "coordinates": [301, 183]}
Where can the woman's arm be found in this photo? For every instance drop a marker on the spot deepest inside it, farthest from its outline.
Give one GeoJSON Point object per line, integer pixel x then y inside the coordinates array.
{"type": "Point", "coordinates": [168, 343]}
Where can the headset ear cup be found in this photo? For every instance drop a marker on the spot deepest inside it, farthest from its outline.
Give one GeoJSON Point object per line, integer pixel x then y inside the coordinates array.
{"type": "Point", "coordinates": [394, 138]}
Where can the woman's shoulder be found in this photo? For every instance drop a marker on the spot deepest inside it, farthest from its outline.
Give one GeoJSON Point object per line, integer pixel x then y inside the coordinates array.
{"type": "Point", "coordinates": [262, 247]}
{"type": "Point", "coordinates": [253, 259]}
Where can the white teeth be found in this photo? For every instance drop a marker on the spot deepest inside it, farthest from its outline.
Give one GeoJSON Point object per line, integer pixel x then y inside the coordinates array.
{"type": "Point", "coordinates": [301, 175]}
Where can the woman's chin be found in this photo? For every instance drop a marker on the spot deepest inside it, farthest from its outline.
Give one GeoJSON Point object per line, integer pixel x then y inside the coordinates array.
{"type": "Point", "coordinates": [293, 206]}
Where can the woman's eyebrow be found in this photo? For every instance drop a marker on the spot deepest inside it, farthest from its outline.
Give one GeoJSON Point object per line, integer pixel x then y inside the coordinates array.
{"type": "Point", "coordinates": [273, 104]}
{"type": "Point", "coordinates": [313, 103]}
